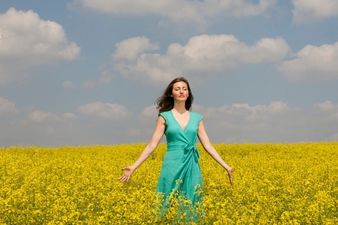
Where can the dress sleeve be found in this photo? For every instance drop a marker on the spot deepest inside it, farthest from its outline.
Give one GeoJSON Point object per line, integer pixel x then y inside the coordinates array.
{"type": "Point", "coordinates": [200, 117]}
{"type": "Point", "coordinates": [163, 115]}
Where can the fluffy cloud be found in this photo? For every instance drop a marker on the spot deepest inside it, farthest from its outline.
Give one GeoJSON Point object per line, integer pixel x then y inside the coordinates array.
{"type": "Point", "coordinates": [40, 116]}
{"type": "Point", "coordinates": [178, 10]}
{"type": "Point", "coordinates": [319, 62]}
{"type": "Point", "coordinates": [150, 111]}
{"type": "Point", "coordinates": [243, 113]}
{"type": "Point", "coordinates": [275, 122]}
{"type": "Point", "coordinates": [307, 11]}
{"type": "Point", "coordinates": [105, 110]}
{"type": "Point", "coordinates": [330, 111]}
{"type": "Point", "coordinates": [67, 84]}
{"type": "Point", "coordinates": [238, 122]}
{"type": "Point", "coordinates": [199, 56]}
{"type": "Point", "coordinates": [7, 107]}
{"type": "Point", "coordinates": [327, 106]}
{"type": "Point", "coordinates": [27, 40]}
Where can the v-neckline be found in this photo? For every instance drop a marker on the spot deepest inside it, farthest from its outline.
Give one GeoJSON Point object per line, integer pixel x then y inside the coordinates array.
{"type": "Point", "coordinates": [183, 129]}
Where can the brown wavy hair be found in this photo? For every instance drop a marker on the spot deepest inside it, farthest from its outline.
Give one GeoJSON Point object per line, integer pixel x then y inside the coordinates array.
{"type": "Point", "coordinates": [166, 101]}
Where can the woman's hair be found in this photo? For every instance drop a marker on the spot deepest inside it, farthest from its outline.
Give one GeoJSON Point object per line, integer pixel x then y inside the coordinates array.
{"type": "Point", "coordinates": [166, 101]}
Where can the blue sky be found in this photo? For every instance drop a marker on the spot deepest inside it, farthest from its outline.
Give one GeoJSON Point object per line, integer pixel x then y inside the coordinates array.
{"type": "Point", "coordinates": [86, 72]}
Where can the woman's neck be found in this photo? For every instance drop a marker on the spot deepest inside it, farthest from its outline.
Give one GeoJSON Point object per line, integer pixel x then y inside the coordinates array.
{"type": "Point", "coordinates": [180, 107]}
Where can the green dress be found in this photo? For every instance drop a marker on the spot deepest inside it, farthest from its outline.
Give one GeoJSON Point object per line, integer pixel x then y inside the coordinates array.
{"type": "Point", "coordinates": [180, 176]}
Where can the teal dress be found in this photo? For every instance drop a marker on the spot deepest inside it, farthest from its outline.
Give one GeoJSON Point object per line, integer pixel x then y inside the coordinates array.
{"type": "Point", "coordinates": [180, 177]}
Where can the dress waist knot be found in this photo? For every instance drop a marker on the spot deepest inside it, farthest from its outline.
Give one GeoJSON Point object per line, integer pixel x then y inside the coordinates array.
{"type": "Point", "coordinates": [189, 149]}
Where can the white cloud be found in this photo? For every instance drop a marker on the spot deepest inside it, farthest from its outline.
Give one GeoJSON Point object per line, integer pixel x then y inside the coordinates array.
{"type": "Point", "coordinates": [27, 40]}
{"type": "Point", "coordinates": [238, 122]}
{"type": "Point", "coordinates": [150, 111]}
{"type": "Point", "coordinates": [69, 115]}
{"type": "Point", "coordinates": [329, 109]}
{"type": "Point", "coordinates": [319, 62]}
{"type": "Point", "coordinates": [95, 83]}
{"type": "Point", "coordinates": [68, 84]}
{"type": "Point", "coordinates": [105, 78]}
{"type": "Point", "coordinates": [7, 107]}
{"type": "Point", "coordinates": [311, 10]}
{"type": "Point", "coordinates": [105, 110]}
{"type": "Point", "coordinates": [247, 112]}
{"type": "Point", "coordinates": [274, 122]}
{"type": "Point", "coordinates": [179, 10]}
{"type": "Point", "coordinates": [40, 116]}
{"type": "Point", "coordinates": [326, 106]}
{"type": "Point", "coordinates": [278, 107]}
{"type": "Point", "coordinates": [131, 48]}
{"type": "Point", "coordinates": [203, 54]}
{"type": "Point", "coordinates": [38, 127]}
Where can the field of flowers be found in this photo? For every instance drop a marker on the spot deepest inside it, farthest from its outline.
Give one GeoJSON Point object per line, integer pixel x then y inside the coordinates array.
{"type": "Point", "coordinates": [273, 184]}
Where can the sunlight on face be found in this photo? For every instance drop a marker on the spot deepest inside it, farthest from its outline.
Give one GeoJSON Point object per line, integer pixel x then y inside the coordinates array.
{"type": "Point", "coordinates": [180, 91]}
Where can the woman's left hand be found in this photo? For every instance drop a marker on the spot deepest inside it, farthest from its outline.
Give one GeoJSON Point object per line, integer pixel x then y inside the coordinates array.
{"type": "Point", "coordinates": [230, 175]}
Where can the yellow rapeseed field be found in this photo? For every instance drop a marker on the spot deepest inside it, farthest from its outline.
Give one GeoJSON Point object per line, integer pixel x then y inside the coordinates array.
{"type": "Point", "coordinates": [273, 184]}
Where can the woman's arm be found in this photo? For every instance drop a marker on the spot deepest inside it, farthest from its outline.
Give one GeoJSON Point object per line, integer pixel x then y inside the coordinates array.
{"type": "Point", "coordinates": [204, 139]}
{"type": "Point", "coordinates": [157, 135]}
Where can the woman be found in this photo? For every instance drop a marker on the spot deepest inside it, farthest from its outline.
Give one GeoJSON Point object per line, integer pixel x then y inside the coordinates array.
{"type": "Point", "coordinates": [180, 171]}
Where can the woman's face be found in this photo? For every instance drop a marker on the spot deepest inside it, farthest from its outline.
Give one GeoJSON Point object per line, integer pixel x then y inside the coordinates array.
{"type": "Point", "coordinates": [180, 91]}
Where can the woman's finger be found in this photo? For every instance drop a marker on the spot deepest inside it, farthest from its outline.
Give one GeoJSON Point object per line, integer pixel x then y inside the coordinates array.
{"type": "Point", "coordinates": [122, 178]}
{"type": "Point", "coordinates": [126, 178]}
{"type": "Point", "coordinates": [230, 177]}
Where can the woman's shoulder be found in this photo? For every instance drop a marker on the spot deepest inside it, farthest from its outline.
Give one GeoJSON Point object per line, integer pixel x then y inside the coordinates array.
{"type": "Point", "coordinates": [164, 114]}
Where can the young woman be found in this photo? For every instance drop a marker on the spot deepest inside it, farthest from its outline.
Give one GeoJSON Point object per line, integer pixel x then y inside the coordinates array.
{"type": "Point", "coordinates": [180, 171]}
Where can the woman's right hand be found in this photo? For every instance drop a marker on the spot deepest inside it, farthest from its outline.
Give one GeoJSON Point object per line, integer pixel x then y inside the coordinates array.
{"type": "Point", "coordinates": [128, 171]}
